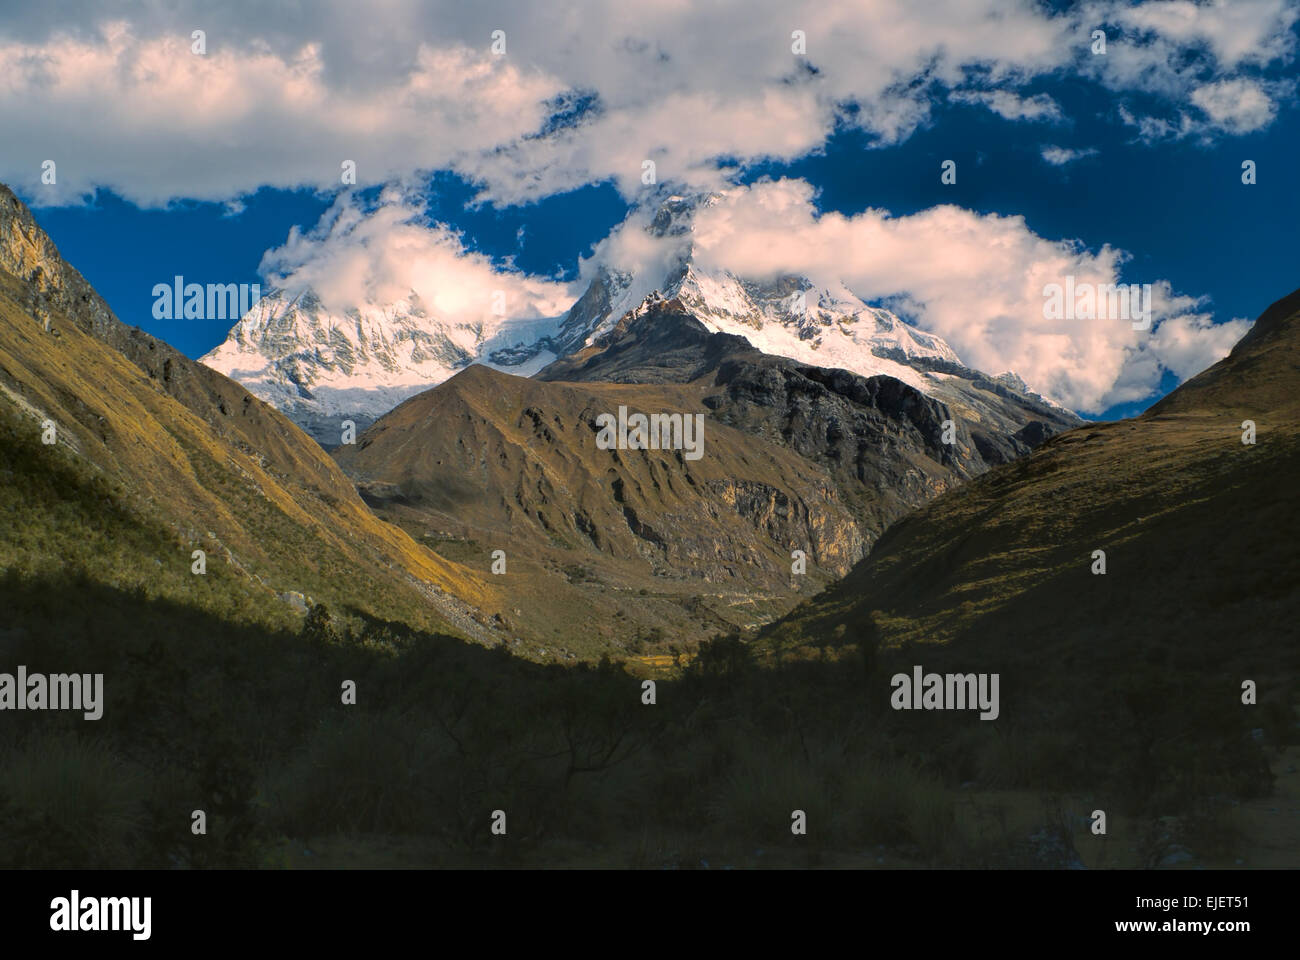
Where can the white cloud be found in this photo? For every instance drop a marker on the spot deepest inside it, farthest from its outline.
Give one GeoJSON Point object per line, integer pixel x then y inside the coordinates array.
{"type": "Point", "coordinates": [367, 258]}
{"type": "Point", "coordinates": [976, 280]}
{"type": "Point", "coordinates": [1060, 156]}
{"type": "Point", "coordinates": [287, 92]}
{"type": "Point", "coordinates": [1011, 106]}
{"type": "Point", "coordinates": [1236, 106]}
{"type": "Point", "coordinates": [1188, 344]}
{"type": "Point", "coordinates": [1151, 129]}
{"type": "Point", "coordinates": [1237, 32]}
{"type": "Point", "coordinates": [155, 121]}
{"type": "Point", "coordinates": [1192, 56]}
{"type": "Point", "coordinates": [1168, 46]}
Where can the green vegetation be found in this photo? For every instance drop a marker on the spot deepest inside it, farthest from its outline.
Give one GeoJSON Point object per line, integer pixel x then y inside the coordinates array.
{"type": "Point", "coordinates": [218, 697]}
{"type": "Point", "coordinates": [247, 724]}
{"type": "Point", "coordinates": [63, 519]}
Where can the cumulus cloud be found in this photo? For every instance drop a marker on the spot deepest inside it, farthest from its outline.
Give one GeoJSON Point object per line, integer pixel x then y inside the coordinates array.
{"type": "Point", "coordinates": [1231, 107]}
{"type": "Point", "coordinates": [1169, 46]}
{"type": "Point", "coordinates": [287, 92]}
{"type": "Point", "coordinates": [1189, 343]}
{"type": "Point", "coordinates": [1010, 105]}
{"type": "Point", "coordinates": [976, 280]}
{"type": "Point", "coordinates": [1060, 156]}
{"type": "Point", "coordinates": [1237, 106]}
{"type": "Point", "coordinates": [1192, 57]}
{"type": "Point", "coordinates": [1236, 32]}
{"type": "Point", "coordinates": [368, 256]}
{"type": "Point", "coordinates": [155, 121]}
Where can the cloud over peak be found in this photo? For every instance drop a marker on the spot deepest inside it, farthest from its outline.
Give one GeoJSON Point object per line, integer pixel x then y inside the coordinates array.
{"type": "Point", "coordinates": [367, 256]}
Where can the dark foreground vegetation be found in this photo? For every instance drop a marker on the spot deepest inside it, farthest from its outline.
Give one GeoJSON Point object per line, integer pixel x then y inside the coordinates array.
{"type": "Point", "coordinates": [219, 697]}
{"type": "Point", "coordinates": [248, 725]}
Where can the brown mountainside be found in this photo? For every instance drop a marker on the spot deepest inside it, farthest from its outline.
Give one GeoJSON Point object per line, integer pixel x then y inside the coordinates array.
{"type": "Point", "coordinates": [603, 545]}
{"type": "Point", "coordinates": [646, 548]}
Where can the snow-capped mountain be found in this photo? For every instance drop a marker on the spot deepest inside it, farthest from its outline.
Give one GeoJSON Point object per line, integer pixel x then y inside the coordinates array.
{"type": "Point", "coordinates": [320, 368]}
{"type": "Point", "coordinates": [793, 317]}
{"type": "Point", "coordinates": [789, 316]}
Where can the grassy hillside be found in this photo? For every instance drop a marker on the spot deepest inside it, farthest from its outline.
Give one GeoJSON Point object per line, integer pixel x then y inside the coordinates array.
{"type": "Point", "coordinates": [217, 699]}
{"type": "Point", "coordinates": [257, 496]}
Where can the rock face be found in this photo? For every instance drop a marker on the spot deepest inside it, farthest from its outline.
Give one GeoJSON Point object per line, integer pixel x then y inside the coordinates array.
{"type": "Point", "coordinates": [486, 450]}
{"type": "Point", "coordinates": [1198, 527]}
{"type": "Point", "coordinates": [879, 437]}
{"type": "Point", "coordinates": [50, 287]}
{"type": "Point", "coordinates": [321, 368]}
{"type": "Point", "coordinates": [54, 293]}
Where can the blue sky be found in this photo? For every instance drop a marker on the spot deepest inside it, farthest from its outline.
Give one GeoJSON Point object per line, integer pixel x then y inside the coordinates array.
{"type": "Point", "coordinates": [1161, 125]}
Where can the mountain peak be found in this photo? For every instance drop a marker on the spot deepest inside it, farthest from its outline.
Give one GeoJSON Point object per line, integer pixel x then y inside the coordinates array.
{"type": "Point", "coordinates": [54, 287]}
{"type": "Point", "coordinates": [322, 367]}
{"type": "Point", "coordinates": [1256, 377]}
